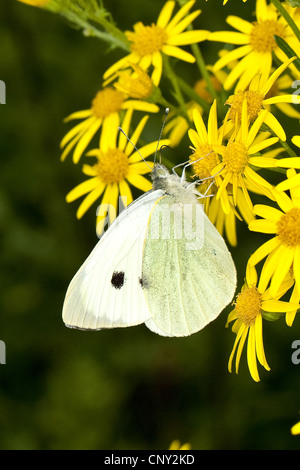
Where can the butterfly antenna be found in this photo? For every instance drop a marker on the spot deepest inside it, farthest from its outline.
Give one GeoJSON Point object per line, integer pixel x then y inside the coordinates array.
{"type": "Point", "coordinates": [167, 110]}
{"type": "Point", "coordinates": [134, 146]}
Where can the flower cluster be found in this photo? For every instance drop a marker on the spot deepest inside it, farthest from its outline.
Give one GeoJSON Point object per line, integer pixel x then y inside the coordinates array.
{"type": "Point", "coordinates": [240, 152]}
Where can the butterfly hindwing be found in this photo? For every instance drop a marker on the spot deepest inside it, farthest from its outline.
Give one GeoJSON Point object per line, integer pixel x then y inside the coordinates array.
{"type": "Point", "coordinates": [107, 291]}
{"type": "Point", "coordinates": [186, 288]}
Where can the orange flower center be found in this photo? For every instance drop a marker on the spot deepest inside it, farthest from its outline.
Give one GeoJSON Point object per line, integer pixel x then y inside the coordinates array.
{"type": "Point", "coordinates": [146, 40]}
{"type": "Point", "coordinates": [205, 161]}
{"type": "Point", "coordinates": [248, 305]}
{"type": "Point", "coordinates": [254, 104]}
{"type": "Point", "coordinates": [112, 166]}
{"type": "Point", "coordinates": [288, 227]}
{"type": "Point", "coordinates": [107, 101]}
{"type": "Point", "coordinates": [235, 157]}
{"type": "Point", "coordinates": [262, 35]}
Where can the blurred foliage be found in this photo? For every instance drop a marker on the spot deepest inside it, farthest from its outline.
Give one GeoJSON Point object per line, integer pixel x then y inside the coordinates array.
{"type": "Point", "coordinates": [119, 389]}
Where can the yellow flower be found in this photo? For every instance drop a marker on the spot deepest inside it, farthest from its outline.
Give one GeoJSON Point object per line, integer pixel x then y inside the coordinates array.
{"type": "Point", "coordinates": [258, 99]}
{"type": "Point", "coordinates": [135, 83]}
{"type": "Point", "coordinates": [257, 44]}
{"type": "Point", "coordinates": [104, 111]}
{"type": "Point", "coordinates": [282, 252]}
{"type": "Point", "coordinates": [237, 161]}
{"type": "Point", "coordinates": [148, 43]}
{"type": "Point", "coordinates": [206, 159]}
{"type": "Point", "coordinates": [176, 445]}
{"type": "Point", "coordinates": [293, 181]}
{"type": "Point", "coordinates": [253, 302]}
{"type": "Point", "coordinates": [296, 429]}
{"type": "Point", "coordinates": [35, 3]}
{"type": "Point", "coordinates": [117, 165]}
{"type": "Point", "coordinates": [204, 141]}
{"type": "Point", "coordinates": [295, 192]}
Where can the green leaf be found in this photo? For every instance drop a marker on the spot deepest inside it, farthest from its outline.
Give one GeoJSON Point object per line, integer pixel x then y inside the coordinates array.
{"type": "Point", "coordinates": [289, 52]}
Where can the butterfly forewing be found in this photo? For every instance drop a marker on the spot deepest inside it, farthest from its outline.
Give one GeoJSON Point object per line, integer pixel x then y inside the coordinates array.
{"type": "Point", "coordinates": [107, 291]}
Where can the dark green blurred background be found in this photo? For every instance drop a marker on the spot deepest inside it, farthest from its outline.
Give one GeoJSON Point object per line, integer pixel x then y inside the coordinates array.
{"type": "Point", "coordinates": [119, 389]}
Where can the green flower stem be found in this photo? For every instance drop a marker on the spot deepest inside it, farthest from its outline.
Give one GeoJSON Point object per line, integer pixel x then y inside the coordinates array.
{"type": "Point", "coordinates": [200, 61]}
{"type": "Point", "coordinates": [202, 69]}
{"type": "Point", "coordinates": [90, 30]}
{"type": "Point", "coordinates": [287, 18]}
{"type": "Point", "coordinates": [190, 92]}
{"type": "Point", "coordinates": [86, 19]}
{"type": "Point", "coordinates": [288, 149]}
{"type": "Point", "coordinates": [115, 32]}
{"type": "Point", "coordinates": [177, 90]}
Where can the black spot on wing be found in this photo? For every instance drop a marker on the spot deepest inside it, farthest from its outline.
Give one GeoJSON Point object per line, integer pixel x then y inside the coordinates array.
{"type": "Point", "coordinates": [144, 283]}
{"type": "Point", "coordinates": [117, 279]}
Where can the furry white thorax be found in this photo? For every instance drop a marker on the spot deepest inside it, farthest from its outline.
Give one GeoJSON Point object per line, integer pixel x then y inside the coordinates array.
{"type": "Point", "coordinates": [173, 185]}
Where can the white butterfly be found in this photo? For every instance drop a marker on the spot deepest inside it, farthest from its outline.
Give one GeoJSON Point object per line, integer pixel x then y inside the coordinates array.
{"type": "Point", "coordinates": [162, 263]}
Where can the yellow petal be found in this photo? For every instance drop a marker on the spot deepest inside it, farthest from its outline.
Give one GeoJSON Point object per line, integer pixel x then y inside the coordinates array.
{"type": "Point", "coordinates": [136, 135]}
{"type": "Point", "coordinates": [251, 354]}
{"type": "Point", "coordinates": [122, 63]}
{"type": "Point", "coordinates": [85, 113]}
{"type": "Point", "coordinates": [263, 226]}
{"type": "Point", "coordinates": [89, 200]}
{"type": "Point", "coordinates": [85, 140]}
{"type": "Point", "coordinates": [296, 429]}
{"type": "Point", "coordinates": [291, 162]}
{"type": "Point", "coordinates": [259, 343]}
{"type": "Point", "coordinates": [82, 189]}
{"type": "Point", "coordinates": [289, 183]}
{"type": "Point", "coordinates": [76, 130]}
{"type": "Point", "coordinates": [140, 105]}
{"type": "Point", "coordinates": [269, 268]}
{"type": "Point", "coordinates": [125, 126]}
{"type": "Point", "coordinates": [200, 126]}
{"type": "Point", "coordinates": [165, 14]}
{"type": "Point", "coordinates": [232, 56]}
{"type": "Point", "coordinates": [180, 14]}
{"type": "Point", "coordinates": [262, 145]}
{"type": "Point", "coordinates": [274, 124]}
{"type": "Point", "coordinates": [183, 24]}
{"type": "Point", "coordinates": [108, 138]}
{"type": "Point", "coordinates": [189, 37]}
{"type": "Point", "coordinates": [230, 37]}
{"type": "Point", "coordinates": [236, 342]}
{"type": "Point", "coordinates": [282, 199]}
{"type": "Point", "coordinates": [263, 251]}
{"type": "Point", "coordinates": [174, 51]}
{"type": "Point", "coordinates": [282, 269]}
{"type": "Point", "coordinates": [241, 25]}
{"type": "Point", "coordinates": [267, 212]}
{"type": "Point", "coordinates": [125, 192]}
{"type": "Point", "coordinates": [262, 162]}
{"type": "Point", "coordinates": [139, 182]}
{"type": "Point", "coordinates": [278, 306]}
